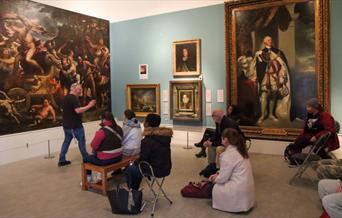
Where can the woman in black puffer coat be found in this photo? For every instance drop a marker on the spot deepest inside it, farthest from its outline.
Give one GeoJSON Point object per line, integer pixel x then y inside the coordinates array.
{"type": "Point", "coordinates": [155, 149]}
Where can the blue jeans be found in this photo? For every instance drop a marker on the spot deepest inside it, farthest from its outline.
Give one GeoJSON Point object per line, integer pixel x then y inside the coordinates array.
{"type": "Point", "coordinates": [68, 135]}
{"type": "Point", "coordinates": [133, 177]}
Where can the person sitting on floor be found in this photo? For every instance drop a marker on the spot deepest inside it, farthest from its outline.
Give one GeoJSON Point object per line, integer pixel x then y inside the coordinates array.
{"type": "Point", "coordinates": [233, 113]}
{"type": "Point", "coordinates": [330, 192]}
{"type": "Point", "coordinates": [106, 144]}
{"type": "Point", "coordinates": [222, 122]}
{"type": "Point", "coordinates": [131, 134]}
{"type": "Point", "coordinates": [233, 189]}
{"type": "Point", "coordinates": [155, 149]}
{"type": "Point", "coordinates": [318, 123]}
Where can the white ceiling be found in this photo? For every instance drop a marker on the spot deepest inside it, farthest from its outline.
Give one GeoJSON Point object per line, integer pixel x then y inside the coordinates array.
{"type": "Point", "coordinates": [120, 10]}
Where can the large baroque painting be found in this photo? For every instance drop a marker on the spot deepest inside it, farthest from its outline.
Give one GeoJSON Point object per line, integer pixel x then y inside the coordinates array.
{"type": "Point", "coordinates": [43, 50]}
{"type": "Point", "coordinates": [277, 58]}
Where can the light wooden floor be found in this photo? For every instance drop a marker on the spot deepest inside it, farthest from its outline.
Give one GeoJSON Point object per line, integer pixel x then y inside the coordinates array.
{"type": "Point", "coordinates": [38, 188]}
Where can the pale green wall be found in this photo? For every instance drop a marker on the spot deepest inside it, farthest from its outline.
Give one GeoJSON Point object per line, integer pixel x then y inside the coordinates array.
{"type": "Point", "coordinates": [149, 41]}
{"type": "Point", "coordinates": [336, 59]}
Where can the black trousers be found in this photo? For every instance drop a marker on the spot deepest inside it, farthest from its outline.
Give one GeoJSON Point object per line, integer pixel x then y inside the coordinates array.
{"type": "Point", "coordinates": [208, 133]}
{"type": "Point", "coordinates": [303, 141]}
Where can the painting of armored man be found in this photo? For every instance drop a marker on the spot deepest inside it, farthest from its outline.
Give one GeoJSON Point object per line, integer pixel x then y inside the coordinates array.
{"type": "Point", "coordinates": [277, 59]}
{"type": "Point", "coordinates": [43, 50]}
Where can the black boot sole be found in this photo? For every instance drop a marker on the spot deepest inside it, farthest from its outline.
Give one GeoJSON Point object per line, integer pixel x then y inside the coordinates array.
{"type": "Point", "coordinates": [200, 155]}
{"type": "Point", "coordinates": [198, 145]}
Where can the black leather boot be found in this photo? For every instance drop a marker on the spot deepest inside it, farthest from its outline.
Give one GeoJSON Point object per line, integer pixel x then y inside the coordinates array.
{"type": "Point", "coordinates": [199, 144]}
{"type": "Point", "coordinates": [202, 153]}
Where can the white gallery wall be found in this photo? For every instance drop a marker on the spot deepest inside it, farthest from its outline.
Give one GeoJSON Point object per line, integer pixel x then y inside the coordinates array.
{"type": "Point", "coordinates": [120, 10]}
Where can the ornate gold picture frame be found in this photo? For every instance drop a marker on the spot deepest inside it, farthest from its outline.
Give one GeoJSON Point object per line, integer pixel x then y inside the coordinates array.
{"type": "Point", "coordinates": [187, 58]}
{"type": "Point", "coordinates": [277, 57]}
{"type": "Point", "coordinates": [143, 98]}
{"type": "Point", "coordinates": [186, 100]}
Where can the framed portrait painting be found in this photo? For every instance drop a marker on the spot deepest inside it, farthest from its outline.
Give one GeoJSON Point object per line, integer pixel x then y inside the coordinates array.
{"type": "Point", "coordinates": [186, 58]}
{"type": "Point", "coordinates": [186, 100]}
{"type": "Point", "coordinates": [277, 58]}
{"type": "Point", "coordinates": [143, 98]}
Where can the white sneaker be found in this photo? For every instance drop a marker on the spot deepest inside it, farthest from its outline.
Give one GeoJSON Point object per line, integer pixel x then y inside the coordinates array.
{"type": "Point", "coordinates": [98, 176]}
{"type": "Point", "coordinates": [88, 178]}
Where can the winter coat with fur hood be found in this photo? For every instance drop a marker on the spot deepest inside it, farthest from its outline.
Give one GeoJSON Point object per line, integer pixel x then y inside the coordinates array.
{"type": "Point", "coordinates": [155, 149]}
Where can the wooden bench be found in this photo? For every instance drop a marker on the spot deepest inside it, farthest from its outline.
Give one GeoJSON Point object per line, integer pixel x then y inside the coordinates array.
{"type": "Point", "coordinates": [104, 170]}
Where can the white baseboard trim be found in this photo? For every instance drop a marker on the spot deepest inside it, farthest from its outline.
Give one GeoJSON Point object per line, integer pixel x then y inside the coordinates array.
{"type": "Point", "coordinates": [26, 145]}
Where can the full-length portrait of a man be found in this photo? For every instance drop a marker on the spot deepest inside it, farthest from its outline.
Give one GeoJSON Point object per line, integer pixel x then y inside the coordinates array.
{"type": "Point", "coordinates": [274, 83]}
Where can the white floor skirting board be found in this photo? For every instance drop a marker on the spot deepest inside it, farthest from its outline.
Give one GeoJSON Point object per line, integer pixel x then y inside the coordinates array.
{"type": "Point", "coordinates": [184, 138]}
{"type": "Point", "coordinates": [25, 145]}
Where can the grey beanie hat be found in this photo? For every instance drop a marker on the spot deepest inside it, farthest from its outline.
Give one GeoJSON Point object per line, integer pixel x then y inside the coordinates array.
{"type": "Point", "coordinates": [313, 102]}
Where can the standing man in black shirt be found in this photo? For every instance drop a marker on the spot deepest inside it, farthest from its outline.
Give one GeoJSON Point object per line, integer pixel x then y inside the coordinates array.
{"type": "Point", "coordinates": [72, 122]}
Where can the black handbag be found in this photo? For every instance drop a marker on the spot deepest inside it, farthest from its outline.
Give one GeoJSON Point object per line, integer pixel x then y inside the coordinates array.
{"type": "Point", "coordinates": [124, 200]}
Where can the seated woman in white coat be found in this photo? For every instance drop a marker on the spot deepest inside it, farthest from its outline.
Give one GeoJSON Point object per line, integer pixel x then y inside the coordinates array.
{"type": "Point", "coordinates": [330, 192]}
{"type": "Point", "coordinates": [233, 189]}
{"type": "Point", "coordinates": [131, 134]}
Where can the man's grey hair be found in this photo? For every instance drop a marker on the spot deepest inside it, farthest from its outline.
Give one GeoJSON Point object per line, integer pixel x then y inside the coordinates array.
{"type": "Point", "coordinates": [218, 111]}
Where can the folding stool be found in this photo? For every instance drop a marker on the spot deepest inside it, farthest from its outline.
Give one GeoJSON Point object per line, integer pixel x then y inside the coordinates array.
{"type": "Point", "coordinates": [304, 160]}
{"type": "Point", "coordinates": [155, 183]}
